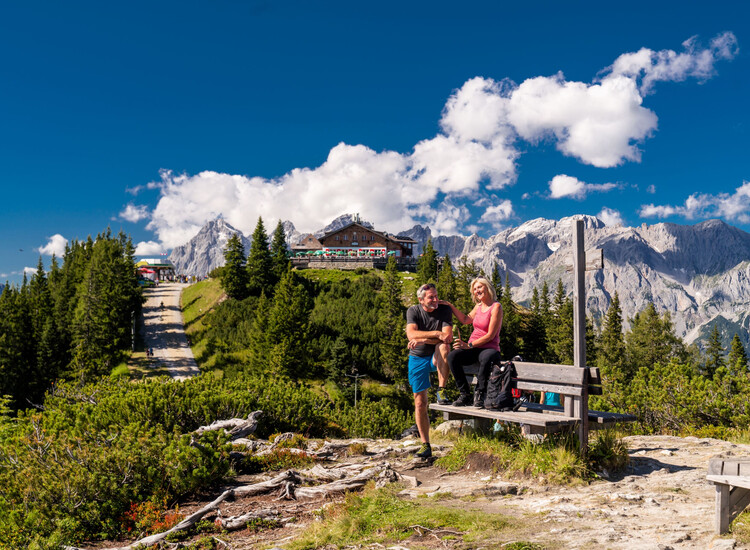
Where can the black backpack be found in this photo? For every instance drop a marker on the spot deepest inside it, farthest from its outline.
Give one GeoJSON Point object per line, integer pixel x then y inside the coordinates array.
{"type": "Point", "coordinates": [500, 387]}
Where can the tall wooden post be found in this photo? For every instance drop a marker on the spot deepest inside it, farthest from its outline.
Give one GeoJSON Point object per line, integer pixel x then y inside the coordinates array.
{"type": "Point", "coordinates": [580, 404]}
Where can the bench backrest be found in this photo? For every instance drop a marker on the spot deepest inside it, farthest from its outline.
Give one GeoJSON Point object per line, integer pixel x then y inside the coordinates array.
{"type": "Point", "coordinates": [562, 379]}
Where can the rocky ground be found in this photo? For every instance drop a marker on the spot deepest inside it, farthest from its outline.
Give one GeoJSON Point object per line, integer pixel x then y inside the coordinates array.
{"type": "Point", "coordinates": [661, 501]}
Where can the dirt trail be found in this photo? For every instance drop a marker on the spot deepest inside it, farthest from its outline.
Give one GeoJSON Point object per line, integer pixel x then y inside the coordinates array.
{"type": "Point", "coordinates": [164, 330]}
{"type": "Point", "coordinates": [661, 502]}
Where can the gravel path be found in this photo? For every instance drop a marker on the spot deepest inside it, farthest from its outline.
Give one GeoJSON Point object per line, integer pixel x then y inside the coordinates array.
{"type": "Point", "coordinates": [164, 330]}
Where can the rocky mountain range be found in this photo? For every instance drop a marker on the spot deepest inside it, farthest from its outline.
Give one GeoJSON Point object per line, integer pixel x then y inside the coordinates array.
{"type": "Point", "coordinates": [205, 251]}
{"type": "Point", "coordinates": [699, 273]}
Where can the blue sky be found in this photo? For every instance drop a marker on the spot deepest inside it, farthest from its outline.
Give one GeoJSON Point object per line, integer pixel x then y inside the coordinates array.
{"type": "Point", "coordinates": [154, 117]}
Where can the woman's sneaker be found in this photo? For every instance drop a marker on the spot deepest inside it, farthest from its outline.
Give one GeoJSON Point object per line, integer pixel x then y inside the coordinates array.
{"type": "Point", "coordinates": [425, 451]}
{"type": "Point", "coordinates": [465, 400]}
{"type": "Point", "coordinates": [478, 400]}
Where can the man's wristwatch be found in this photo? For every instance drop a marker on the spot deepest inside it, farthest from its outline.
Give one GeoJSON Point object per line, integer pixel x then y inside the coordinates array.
{"type": "Point", "coordinates": [471, 345]}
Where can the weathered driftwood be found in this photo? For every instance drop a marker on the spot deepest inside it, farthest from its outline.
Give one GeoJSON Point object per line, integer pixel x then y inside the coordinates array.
{"type": "Point", "coordinates": [239, 522]}
{"type": "Point", "coordinates": [249, 490]}
{"type": "Point", "coordinates": [236, 428]}
{"type": "Point", "coordinates": [287, 484]}
{"type": "Point", "coordinates": [383, 472]}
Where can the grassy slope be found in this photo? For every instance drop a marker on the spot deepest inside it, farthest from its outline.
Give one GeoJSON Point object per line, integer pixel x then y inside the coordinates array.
{"type": "Point", "coordinates": [198, 300]}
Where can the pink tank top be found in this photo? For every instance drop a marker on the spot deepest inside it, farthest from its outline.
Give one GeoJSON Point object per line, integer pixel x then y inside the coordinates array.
{"type": "Point", "coordinates": [481, 326]}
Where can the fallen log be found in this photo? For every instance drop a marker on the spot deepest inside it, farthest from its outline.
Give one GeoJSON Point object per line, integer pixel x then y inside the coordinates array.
{"type": "Point", "coordinates": [236, 428]}
{"type": "Point", "coordinates": [383, 472]}
{"type": "Point", "coordinates": [287, 484]}
{"type": "Point", "coordinates": [239, 522]}
{"type": "Point", "coordinates": [276, 483]}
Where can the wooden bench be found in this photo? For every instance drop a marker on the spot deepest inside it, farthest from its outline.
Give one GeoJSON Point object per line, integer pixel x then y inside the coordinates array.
{"type": "Point", "coordinates": [570, 382]}
{"type": "Point", "coordinates": [731, 478]}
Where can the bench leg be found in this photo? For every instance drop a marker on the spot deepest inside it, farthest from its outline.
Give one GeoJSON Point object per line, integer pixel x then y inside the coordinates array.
{"type": "Point", "coordinates": [722, 508]}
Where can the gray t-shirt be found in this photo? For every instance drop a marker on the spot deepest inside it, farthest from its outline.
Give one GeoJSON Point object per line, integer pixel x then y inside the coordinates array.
{"type": "Point", "coordinates": [434, 320]}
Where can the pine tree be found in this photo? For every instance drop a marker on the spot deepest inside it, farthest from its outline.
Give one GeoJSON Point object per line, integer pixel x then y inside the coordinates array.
{"type": "Point", "coordinates": [612, 345]}
{"type": "Point", "coordinates": [496, 280]}
{"type": "Point", "coordinates": [714, 356]}
{"type": "Point", "coordinates": [511, 322]}
{"type": "Point", "coordinates": [259, 264]}
{"type": "Point", "coordinates": [467, 272]}
{"type": "Point", "coordinates": [560, 332]}
{"type": "Point", "coordinates": [392, 325]}
{"type": "Point", "coordinates": [16, 352]}
{"type": "Point", "coordinates": [446, 284]}
{"type": "Point", "coordinates": [427, 267]}
{"type": "Point", "coordinates": [234, 276]}
{"type": "Point", "coordinates": [279, 256]}
{"type": "Point", "coordinates": [737, 356]}
{"type": "Point", "coordinates": [339, 362]}
{"type": "Point", "coordinates": [651, 341]}
{"type": "Point", "coordinates": [288, 321]}
{"type": "Point", "coordinates": [259, 340]}
{"type": "Point", "coordinates": [106, 301]}
{"type": "Point", "coordinates": [44, 336]}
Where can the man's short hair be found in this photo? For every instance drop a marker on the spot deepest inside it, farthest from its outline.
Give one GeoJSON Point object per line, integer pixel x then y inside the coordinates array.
{"type": "Point", "coordinates": [424, 288]}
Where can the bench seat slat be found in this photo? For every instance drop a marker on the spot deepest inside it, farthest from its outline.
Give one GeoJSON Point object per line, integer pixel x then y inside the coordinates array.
{"type": "Point", "coordinates": [734, 481]}
{"type": "Point", "coordinates": [598, 417]}
{"type": "Point", "coordinates": [526, 417]}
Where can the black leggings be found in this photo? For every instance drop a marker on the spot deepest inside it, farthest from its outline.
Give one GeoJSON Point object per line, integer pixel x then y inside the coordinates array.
{"type": "Point", "coordinates": [459, 358]}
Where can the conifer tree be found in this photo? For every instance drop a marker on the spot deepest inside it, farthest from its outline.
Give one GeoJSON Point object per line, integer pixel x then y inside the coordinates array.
{"type": "Point", "coordinates": [338, 363]}
{"type": "Point", "coordinates": [714, 356]}
{"type": "Point", "coordinates": [511, 322]}
{"type": "Point", "coordinates": [106, 300]}
{"type": "Point", "coordinates": [533, 334]}
{"type": "Point", "coordinates": [467, 272]}
{"type": "Point", "coordinates": [392, 325]}
{"type": "Point", "coordinates": [446, 284]}
{"type": "Point", "coordinates": [651, 340]}
{"type": "Point", "coordinates": [44, 337]}
{"type": "Point", "coordinates": [288, 321]}
{"type": "Point", "coordinates": [279, 257]}
{"type": "Point", "coordinates": [496, 280]}
{"type": "Point", "coordinates": [16, 352]}
{"type": "Point", "coordinates": [234, 276]}
{"type": "Point", "coordinates": [259, 341]}
{"type": "Point", "coordinates": [427, 266]}
{"type": "Point", "coordinates": [259, 264]}
{"type": "Point", "coordinates": [737, 359]}
{"type": "Point", "coordinates": [612, 345]}
{"type": "Point", "coordinates": [560, 328]}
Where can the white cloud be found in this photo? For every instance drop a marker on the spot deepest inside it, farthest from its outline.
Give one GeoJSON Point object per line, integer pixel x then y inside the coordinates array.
{"type": "Point", "coordinates": [649, 66]}
{"type": "Point", "coordinates": [651, 189]}
{"type": "Point", "coordinates": [599, 124]}
{"type": "Point", "coordinates": [734, 207]}
{"type": "Point", "coordinates": [610, 217]}
{"type": "Point", "coordinates": [149, 248]}
{"type": "Point", "coordinates": [498, 214]}
{"type": "Point", "coordinates": [29, 271]}
{"type": "Point", "coordinates": [567, 186]}
{"type": "Point", "coordinates": [134, 213]}
{"type": "Point", "coordinates": [472, 158]}
{"type": "Point", "coordinates": [55, 245]}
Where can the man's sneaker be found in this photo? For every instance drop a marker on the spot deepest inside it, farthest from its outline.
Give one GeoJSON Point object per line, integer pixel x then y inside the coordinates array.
{"type": "Point", "coordinates": [425, 451]}
{"type": "Point", "coordinates": [441, 398]}
{"type": "Point", "coordinates": [465, 400]}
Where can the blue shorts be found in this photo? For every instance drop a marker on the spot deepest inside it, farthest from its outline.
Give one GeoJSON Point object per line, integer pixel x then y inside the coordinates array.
{"type": "Point", "coordinates": [419, 373]}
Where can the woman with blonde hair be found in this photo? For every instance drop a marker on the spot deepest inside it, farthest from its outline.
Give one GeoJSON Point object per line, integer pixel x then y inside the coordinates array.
{"type": "Point", "coordinates": [483, 345]}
